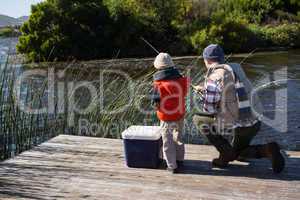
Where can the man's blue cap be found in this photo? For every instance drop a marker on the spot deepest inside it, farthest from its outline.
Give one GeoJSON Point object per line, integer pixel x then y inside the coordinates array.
{"type": "Point", "coordinates": [214, 52]}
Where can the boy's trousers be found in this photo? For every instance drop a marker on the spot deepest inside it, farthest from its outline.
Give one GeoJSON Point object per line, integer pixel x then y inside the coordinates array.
{"type": "Point", "coordinates": [173, 146]}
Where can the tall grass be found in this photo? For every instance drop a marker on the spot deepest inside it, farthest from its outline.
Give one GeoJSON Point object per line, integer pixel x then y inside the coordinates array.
{"type": "Point", "coordinates": [121, 102]}
{"type": "Point", "coordinates": [117, 95]}
{"type": "Point", "coordinates": [20, 130]}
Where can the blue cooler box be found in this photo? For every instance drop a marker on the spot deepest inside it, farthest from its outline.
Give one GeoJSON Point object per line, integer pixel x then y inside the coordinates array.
{"type": "Point", "coordinates": [142, 146]}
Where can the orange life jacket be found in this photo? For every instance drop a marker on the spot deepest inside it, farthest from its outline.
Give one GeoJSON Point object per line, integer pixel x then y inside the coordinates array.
{"type": "Point", "coordinates": [172, 89]}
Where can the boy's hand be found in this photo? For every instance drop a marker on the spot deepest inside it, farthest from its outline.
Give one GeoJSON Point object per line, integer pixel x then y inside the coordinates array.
{"type": "Point", "coordinates": [198, 88]}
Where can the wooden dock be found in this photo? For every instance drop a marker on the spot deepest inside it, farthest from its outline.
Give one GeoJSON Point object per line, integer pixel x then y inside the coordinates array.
{"type": "Point", "coordinates": [70, 167]}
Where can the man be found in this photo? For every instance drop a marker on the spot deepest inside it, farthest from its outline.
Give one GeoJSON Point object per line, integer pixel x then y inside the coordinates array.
{"type": "Point", "coordinates": [227, 109]}
{"type": "Point", "coordinates": [170, 90]}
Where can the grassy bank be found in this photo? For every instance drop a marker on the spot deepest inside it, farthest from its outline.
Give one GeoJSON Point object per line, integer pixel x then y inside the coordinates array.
{"type": "Point", "coordinates": [9, 32]}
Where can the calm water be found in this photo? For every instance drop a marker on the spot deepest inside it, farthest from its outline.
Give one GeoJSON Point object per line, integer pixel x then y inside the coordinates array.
{"type": "Point", "coordinates": [7, 45]}
{"type": "Point", "coordinates": [276, 77]}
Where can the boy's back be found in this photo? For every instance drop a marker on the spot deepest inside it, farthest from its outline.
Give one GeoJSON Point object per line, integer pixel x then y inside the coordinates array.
{"type": "Point", "coordinates": [172, 98]}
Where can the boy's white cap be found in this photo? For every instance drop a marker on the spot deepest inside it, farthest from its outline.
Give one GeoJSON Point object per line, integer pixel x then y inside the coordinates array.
{"type": "Point", "coordinates": [163, 60]}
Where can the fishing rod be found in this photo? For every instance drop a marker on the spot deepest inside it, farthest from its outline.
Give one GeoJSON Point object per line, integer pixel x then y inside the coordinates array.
{"type": "Point", "coordinates": [150, 45]}
{"type": "Point", "coordinates": [195, 89]}
{"type": "Point", "coordinates": [192, 86]}
{"type": "Point", "coordinates": [250, 54]}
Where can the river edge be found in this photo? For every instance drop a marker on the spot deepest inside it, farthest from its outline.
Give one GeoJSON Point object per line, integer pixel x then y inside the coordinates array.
{"type": "Point", "coordinates": [128, 63]}
{"type": "Point", "coordinates": [131, 63]}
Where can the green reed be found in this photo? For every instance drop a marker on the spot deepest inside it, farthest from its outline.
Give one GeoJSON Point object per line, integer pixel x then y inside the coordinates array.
{"type": "Point", "coordinates": [112, 124]}
{"type": "Point", "coordinates": [21, 130]}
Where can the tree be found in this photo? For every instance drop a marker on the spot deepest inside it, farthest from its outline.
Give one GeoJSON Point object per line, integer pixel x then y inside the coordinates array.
{"type": "Point", "coordinates": [233, 36]}
{"type": "Point", "coordinates": [93, 29]}
{"type": "Point", "coordinates": [151, 19]}
{"type": "Point", "coordinates": [61, 29]}
{"type": "Point", "coordinates": [252, 10]}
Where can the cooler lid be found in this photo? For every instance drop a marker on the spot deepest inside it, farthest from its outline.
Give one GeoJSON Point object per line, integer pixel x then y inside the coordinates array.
{"type": "Point", "coordinates": [142, 133]}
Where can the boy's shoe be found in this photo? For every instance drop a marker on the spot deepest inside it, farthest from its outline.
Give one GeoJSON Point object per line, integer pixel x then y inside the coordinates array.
{"type": "Point", "coordinates": [180, 164]}
{"type": "Point", "coordinates": [173, 171]}
{"type": "Point", "coordinates": [163, 164]}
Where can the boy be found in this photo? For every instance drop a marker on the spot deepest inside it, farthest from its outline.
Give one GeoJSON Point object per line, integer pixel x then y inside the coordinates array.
{"type": "Point", "coordinates": [170, 89]}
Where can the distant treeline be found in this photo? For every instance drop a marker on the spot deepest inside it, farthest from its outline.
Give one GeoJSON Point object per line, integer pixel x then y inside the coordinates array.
{"type": "Point", "coordinates": [93, 29]}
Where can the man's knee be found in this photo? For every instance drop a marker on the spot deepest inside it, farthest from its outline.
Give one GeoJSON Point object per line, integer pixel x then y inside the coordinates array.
{"type": "Point", "coordinates": [203, 124]}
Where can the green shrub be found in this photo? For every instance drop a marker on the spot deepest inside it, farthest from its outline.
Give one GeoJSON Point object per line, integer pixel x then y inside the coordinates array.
{"type": "Point", "coordinates": [252, 10]}
{"type": "Point", "coordinates": [233, 36]}
{"type": "Point", "coordinates": [287, 35]}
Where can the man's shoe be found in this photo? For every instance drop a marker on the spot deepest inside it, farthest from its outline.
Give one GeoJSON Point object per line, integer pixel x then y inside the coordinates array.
{"type": "Point", "coordinates": [224, 159]}
{"type": "Point", "coordinates": [273, 152]}
{"type": "Point", "coordinates": [242, 159]}
{"type": "Point", "coordinates": [218, 162]}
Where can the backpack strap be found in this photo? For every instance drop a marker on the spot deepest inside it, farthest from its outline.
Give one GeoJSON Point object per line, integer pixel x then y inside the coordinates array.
{"type": "Point", "coordinates": [244, 106]}
{"type": "Point", "coordinates": [224, 67]}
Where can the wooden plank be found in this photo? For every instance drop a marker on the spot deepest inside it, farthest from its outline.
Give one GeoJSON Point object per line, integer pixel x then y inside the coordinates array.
{"type": "Point", "coordinates": [70, 167]}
